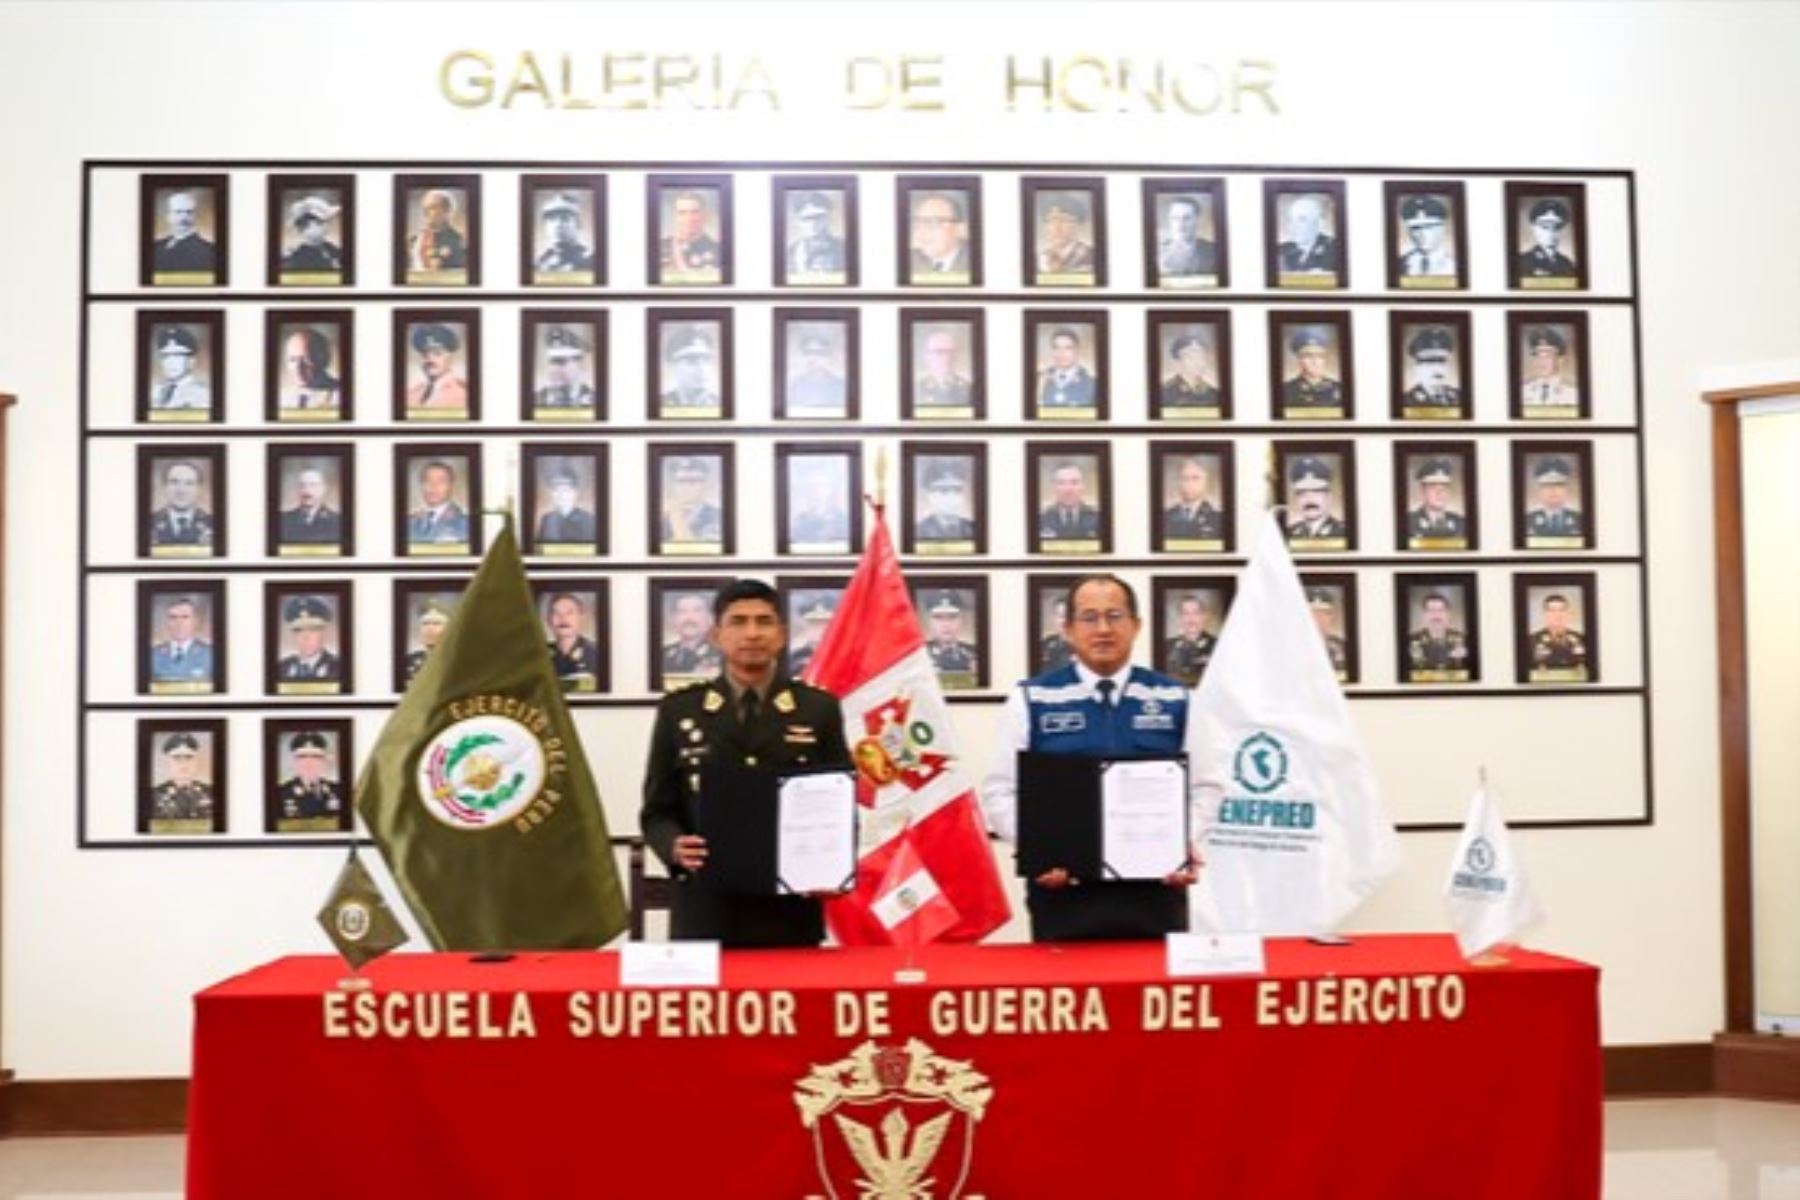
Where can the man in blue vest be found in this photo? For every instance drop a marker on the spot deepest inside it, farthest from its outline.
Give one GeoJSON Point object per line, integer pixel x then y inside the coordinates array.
{"type": "Point", "coordinates": [1098, 706]}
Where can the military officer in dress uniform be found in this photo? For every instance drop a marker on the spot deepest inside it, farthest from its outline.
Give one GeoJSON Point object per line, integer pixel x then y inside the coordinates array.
{"type": "Point", "coordinates": [1066, 383]}
{"type": "Point", "coordinates": [1431, 253]}
{"type": "Point", "coordinates": [177, 350]}
{"type": "Point", "coordinates": [817, 388]}
{"type": "Point", "coordinates": [307, 619]}
{"type": "Point", "coordinates": [564, 386]}
{"type": "Point", "coordinates": [1308, 249]}
{"type": "Point", "coordinates": [566, 252]}
{"type": "Point", "coordinates": [1309, 487]}
{"type": "Point", "coordinates": [308, 796]}
{"type": "Point", "coordinates": [940, 244]}
{"type": "Point", "coordinates": [1545, 260]}
{"type": "Point", "coordinates": [753, 717]}
{"type": "Point", "coordinates": [574, 657]}
{"type": "Point", "coordinates": [1188, 652]}
{"type": "Point", "coordinates": [1060, 248]}
{"type": "Point", "coordinates": [950, 654]}
{"type": "Point", "coordinates": [438, 246]}
{"type": "Point", "coordinates": [688, 516]}
{"type": "Point", "coordinates": [181, 657]}
{"type": "Point", "coordinates": [565, 522]}
{"type": "Point", "coordinates": [1192, 517]}
{"type": "Point", "coordinates": [814, 250]}
{"type": "Point", "coordinates": [1556, 647]}
{"type": "Point", "coordinates": [689, 250]}
{"type": "Point", "coordinates": [437, 346]}
{"type": "Point", "coordinates": [1189, 387]}
{"type": "Point", "coordinates": [1054, 649]}
{"type": "Point", "coordinates": [313, 252]}
{"type": "Point", "coordinates": [1311, 388]}
{"type": "Point", "coordinates": [946, 502]}
{"type": "Point", "coordinates": [1430, 350]}
{"type": "Point", "coordinates": [184, 250]}
{"type": "Point", "coordinates": [181, 521]}
{"type": "Point", "coordinates": [439, 519]}
{"type": "Point", "coordinates": [1069, 517]}
{"type": "Point", "coordinates": [692, 653]}
{"type": "Point", "coordinates": [1546, 387]}
{"type": "Point", "coordinates": [1436, 646]}
{"type": "Point", "coordinates": [691, 361]}
{"type": "Point", "coordinates": [813, 624]}
{"type": "Point", "coordinates": [1181, 251]}
{"type": "Point", "coordinates": [1433, 520]}
{"type": "Point", "coordinates": [311, 522]}
{"type": "Point", "coordinates": [941, 385]}
{"type": "Point", "coordinates": [1324, 612]}
{"type": "Point", "coordinates": [433, 619]}
{"type": "Point", "coordinates": [183, 796]}
{"type": "Point", "coordinates": [1099, 706]}
{"type": "Point", "coordinates": [307, 381]}
{"type": "Point", "coordinates": [1552, 516]}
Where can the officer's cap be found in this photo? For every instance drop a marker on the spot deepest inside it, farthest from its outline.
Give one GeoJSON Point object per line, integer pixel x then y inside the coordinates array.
{"type": "Point", "coordinates": [177, 341]}
{"type": "Point", "coordinates": [1308, 473]}
{"type": "Point", "coordinates": [692, 344]}
{"type": "Point", "coordinates": [1067, 204]}
{"type": "Point", "coordinates": [945, 476]}
{"type": "Point", "coordinates": [434, 612]}
{"type": "Point", "coordinates": [313, 209]}
{"type": "Point", "coordinates": [946, 606]}
{"type": "Point", "coordinates": [1320, 599]}
{"type": "Point", "coordinates": [562, 204]}
{"type": "Point", "coordinates": [1186, 342]}
{"type": "Point", "coordinates": [1551, 469]}
{"type": "Point", "coordinates": [1550, 210]}
{"type": "Point", "coordinates": [306, 612]}
{"type": "Point", "coordinates": [564, 477]}
{"type": "Point", "coordinates": [307, 741]}
{"type": "Point", "coordinates": [815, 342]}
{"type": "Point", "coordinates": [1434, 470]}
{"type": "Point", "coordinates": [690, 468]}
{"type": "Point", "coordinates": [820, 612]}
{"type": "Point", "coordinates": [438, 196]}
{"type": "Point", "coordinates": [435, 337]}
{"type": "Point", "coordinates": [1543, 337]}
{"type": "Point", "coordinates": [1432, 343]}
{"type": "Point", "coordinates": [812, 204]}
{"type": "Point", "coordinates": [175, 743]}
{"type": "Point", "coordinates": [561, 342]}
{"type": "Point", "coordinates": [1423, 210]}
{"type": "Point", "coordinates": [1307, 338]}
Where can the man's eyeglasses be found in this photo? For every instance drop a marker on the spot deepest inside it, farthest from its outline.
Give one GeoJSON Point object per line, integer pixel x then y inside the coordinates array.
{"type": "Point", "coordinates": [1093, 619]}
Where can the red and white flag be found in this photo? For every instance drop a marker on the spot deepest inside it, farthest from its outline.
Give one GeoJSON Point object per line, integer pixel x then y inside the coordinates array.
{"type": "Point", "coordinates": [925, 870]}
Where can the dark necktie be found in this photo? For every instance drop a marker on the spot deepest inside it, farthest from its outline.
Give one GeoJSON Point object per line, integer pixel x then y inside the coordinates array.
{"type": "Point", "coordinates": [748, 707]}
{"type": "Point", "coordinates": [164, 395]}
{"type": "Point", "coordinates": [1105, 687]}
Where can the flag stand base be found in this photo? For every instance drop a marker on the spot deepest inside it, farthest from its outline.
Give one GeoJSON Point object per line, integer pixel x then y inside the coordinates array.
{"type": "Point", "coordinates": [910, 975]}
{"type": "Point", "coordinates": [1490, 958]}
{"type": "Point", "coordinates": [355, 983]}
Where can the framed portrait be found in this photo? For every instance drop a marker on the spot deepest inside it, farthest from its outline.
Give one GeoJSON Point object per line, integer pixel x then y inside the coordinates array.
{"type": "Point", "coordinates": [1319, 492]}
{"type": "Point", "coordinates": [1185, 236]}
{"type": "Point", "coordinates": [689, 368]}
{"type": "Point", "coordinates": [943, 497]}
{"type": "Point", "coordinates": [1439, 628]}
{"type": "Point", "coordinates": [1069, 485]}
{"type": "Point", "coordinates": [1435, 496]}
{"type": "Point", "coordinates": [437, 220]}
{"type": "Point", "coordinates": [940, 230]}
{"type": "Point", "coordinates": [181, 637]}
{"type": "Point", "coordinates": [181, 777]}
{"type": "Point", "coordinates": [562, 230]}
{"type": "Point", "coordinates": [309, 775]}
{"type": "Point", "coordinates": [818, 497]}
{"type": "Point", "coordinates": [808, 602]}
{"type": "Point", "coordinates": [437, 364]}
{"type": "Point", "coordinates": [437, 499]}
{"type": "Point", "coordinates": [1065, 231]}
{"type": "Point", "coordinates": [1553, 495]}
{"type": "Point", "coordinates": [1427, 235]}
{"type": "Point", "coordinates": [576, 613]}
{"type": "Point", "coordinates": [1047, 644]}
{"type": "Point", "coordinates": [681, 645]}
{"type": "Point", "coordinates": [815, 238]}
{"type": "Point", "coordinates": [311, 505]}
{"type": "Point", "coordinates": [312, 230]}
{"type": "Point", "coordinates": [422, 611]}
{"type": "Point", "coordinates": [309, 370]}
{"type": "Point", "coordinates": [1187, 613]}
{"type": "Point", "coordinates": [1312, 366]}
{"type": "Point", "coordinates": [184, 230]}
{"type": "Point", "coordinates": [691, 490]}
{"type": "Point", "coordinates": [690, 230]}
{"type": "Point", "coordinates": [1549, 366]}
{"type": "Point", "coordinates": [180, 366]}
{"type": "Point", "coordinates": [943, 364]}
{"type": "Point", "coordinates": [564, 363]}
{"type": "Point", "coordinates": [181, 490]}
{"type": "Point", "coordinates": [1189, 355]}
{"type": "Point", "coordinates": [1191, 509]}
{"type": "Point", "coordinates": [1066, 372]}
{"type": "Point", "coordinates": [1431, 365]}
{"type": "Point", "coordinates": [564, 485]}
{"type": "Point", "coordinates": [953, 615]}
{"type": "Point", "coordinates": [818, 360]}
{"type": "Point", "coordinates": [1331, 599]}
{"type": "Point", "coordinates": [1556, 627]}
{"type": "Point", "coordinates": [308, 639]}
{"type": "Point", "coordinates": [1546, 236]}
{"type": "Point", "coordinates": [1308, 227]}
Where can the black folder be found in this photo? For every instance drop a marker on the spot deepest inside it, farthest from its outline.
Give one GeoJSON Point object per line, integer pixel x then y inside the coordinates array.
{"type": "Point", "coordinates": [1059, 812]}
{"type": "Point", "coordinates": [737, 812]}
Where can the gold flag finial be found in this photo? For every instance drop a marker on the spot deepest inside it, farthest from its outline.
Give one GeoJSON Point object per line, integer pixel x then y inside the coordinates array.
{"type": "Point", "coordinates": [881, 470]}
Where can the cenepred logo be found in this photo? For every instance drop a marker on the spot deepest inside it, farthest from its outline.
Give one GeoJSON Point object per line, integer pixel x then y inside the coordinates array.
{"type": "Point", "coordinates": [481, 772]}
{"type": "Point", "coordinates": [1260, 764]}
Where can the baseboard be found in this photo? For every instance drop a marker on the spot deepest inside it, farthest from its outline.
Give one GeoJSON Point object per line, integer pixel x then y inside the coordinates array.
{"type": "Point", "coordinates": [1758, 1066]}
{"type": "Point", "coordinates": [1675, 1069]}
{"type": "Point", "coordinates": [93, 1106]}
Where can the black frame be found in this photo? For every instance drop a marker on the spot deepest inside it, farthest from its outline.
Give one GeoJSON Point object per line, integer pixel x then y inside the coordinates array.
{"type": "Point", "coordinates": [276, 594]}
{"type": "Point", "coordinates": [274, 359]}
{"type": "Point", "coordinates": [1030, 188]}
{"type": "Point", "coordinates": [788, 589]}
{"type": "Point", "coordinates": [654, 188]}
{"type": "Point", "coordinates": [1394, 193]}
{"type": "Point", "coordinates": [976, 320]}
{"type": "Point", "coordinates": [1225, 474]}
{"type": "Point", "coordinates": [599, 340]}
{"type": "Point", "coordinates": [1036, 453]}
{"type": "Point", "coordinates": [1584, 497]}
{"type": "Point", "coordinates": [1273, 190]}
{"type": "Point", "coordinates": [905, 187]}
{"type": "Point", "coordinates": [1518, 329]}
{"type": "Point", "coordinates": [407, 458]}
{"type": "Point", "coordinates": [276, 731]}
{"type": "Point", "coordinates": [402, 353]}
{"type": "Point", "coordinates": [594, 187]}
{"type": "Point", "coordinates": [214, 456]}
{"type": "Point", "coordinates": [220, 187]}
{"type": "Point", "coordinates": [850, 322]}
{"type": "Point", "coordinates": [1038, 319]}
{"type": "Point", "coordinates": [1213, 188]}
{"type": "Point", "coordinates": [655, 319]}
{"type": "Point", "coordinates": [1348, 619]}
{"type": "Point", "coordinates": [1400, 322]}
{"type": "Point", "coordinates": [1584, 582]}
{"type": "Point", "coordinates": [147, 592]}
{"type": "Point", "coordinates": [1343, 487]}
{"type": "Point", "coordinates": [598, 454]}
{"type": "Point", "coordinates": [1470, 612]}
{"type": "Point", "coordinates": [725, 453]}
{"type": "Point", "coordinates": [921, 587]}
{"type": "Point", "coordinates": [1520, 194]}
{"type": "Point", "coordinates": [782, 186]}
{"type": "Point", "coordinates": [406, 591]}
{"type": "Point", "coordinates": [1164, 589]}
{"type": "Point", "coordinates": [1467, 455]}
{"type": "Point", "coordinates": [345, 185]}
{"type": "Point", "coordinates": [278, 454]}
{"type": "Point", "coordinates": [1159, 319]}
{"type": "Point", "coordinates": [1037, 633]}
{"type": "Point", "coordinates": [149, 320]}
{"type": "Point", "coordinates": [911, 454]}
{"type": "Point", "coordinates": [151, 731]}
{"type": "Point", "coordinates": [785, 452]}
{"type": "Point", "coordinates": [404, 275]}
{"type": "Point", "coordinates": [596, 591]}
{"type": "Point", "coordinates": [661, 588]}
{"type": "Point", "coordinates": [1282, 323]}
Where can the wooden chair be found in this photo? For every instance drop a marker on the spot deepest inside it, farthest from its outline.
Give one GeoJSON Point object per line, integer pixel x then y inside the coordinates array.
{"type": "Point", "coordinates": [648, 892]}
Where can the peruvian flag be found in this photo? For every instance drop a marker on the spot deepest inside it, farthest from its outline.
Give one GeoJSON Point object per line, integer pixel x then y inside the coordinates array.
{"type": "Point", "coordinates": [925, 870]}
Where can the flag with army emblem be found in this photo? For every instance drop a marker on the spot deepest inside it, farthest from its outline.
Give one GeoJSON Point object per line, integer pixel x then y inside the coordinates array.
{"type": "Point", "coordinates": [478, 791]}
{"type": "Point", "coordinates": [357, 918]}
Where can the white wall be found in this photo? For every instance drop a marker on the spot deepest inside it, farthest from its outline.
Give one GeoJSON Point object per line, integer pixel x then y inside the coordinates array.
{"type": "Point", "coordinates": [103, 948]}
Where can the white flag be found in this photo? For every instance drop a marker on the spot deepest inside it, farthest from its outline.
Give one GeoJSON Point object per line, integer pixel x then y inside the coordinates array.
{"type": "Point", "coordinates": [1487, 893]}
{"type": "Point", "coordinates": [1293, 830]}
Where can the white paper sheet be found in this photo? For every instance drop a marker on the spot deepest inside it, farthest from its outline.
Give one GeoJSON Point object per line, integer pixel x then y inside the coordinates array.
{"type": "Point", "coordinates": [815, 846]}
{"type": "Point", "coordinates": [1143, 819]}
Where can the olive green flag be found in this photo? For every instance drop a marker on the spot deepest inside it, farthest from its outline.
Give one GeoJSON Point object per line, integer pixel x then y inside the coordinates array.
{"type": "Point", "coordinates": [478, 792]}
{"type": "Point", "coordinates": [357, 918]}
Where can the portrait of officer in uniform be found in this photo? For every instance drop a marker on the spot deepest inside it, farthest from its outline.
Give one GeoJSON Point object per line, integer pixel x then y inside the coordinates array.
{"type": "Point", "coordinates": [1324, 602]}
{"type": "Point", "coordinates": [178, 642]}
{"type": "Point", "coordinates": [1063, 239]}
{"type": "Point", "coordinates": [563, 502]}
{"type": "Point", "coordinates": [1548, 371]}
{"type": "Point", "coordinates": [563, 247]}
{"type": "Point", "coordinates": [941, 236]}
{"type": "Point", "coordinates": [814, 251]}
{"type": "Point", "coordinates": [307, 793]}
{"type": "Point", "coordinates": [438, 521]}
{"type": "Point", "coordinates": [690, 499]}
{"type": "Point", "coordinates": [311, 386]}
{"type": "Point", "coordinates": [1192, 513]}
{"type": "Point", "coordinates": [569, 622]}
{"type": "Point", "coordinates": [1309, 226]}
{"type": "Point", "coordinates": [186, 225]}
{"type": "Point", "coordinates": [816, 368]}
{"type": "Point", "coordinates": [947, 616]}
{"type": "Point", "coordinates": [1194, 626]}
{"type": "Point", "coordinates": [178, 794]}
{"type": "Point", "coordinates": [308, 643]}
{"type": "Point", "coordinates": [1439, 646]}
{"type": "Point", "coordinates": [944, 499]}
{"type": "Point", "coordinates": [942, 368]}
{"type": "Point", "coordinates": [1049, 647]}
{"type": "Point", "coordinates": [1427, 241]}
{"type": "Point", "coordinates": [1065, 384]}
{"type": "Point", "coordinates": [439, 223]}
{"type": "Point", "coordinates": [312, 251]}
{"type": "Point", "coordinates": [1312, 384]}
{"type": "Point", "coordinates": [1098, 706]}
{"type": "Point", "coordinates": [308, 522]}
{"type": "Point", "coordinates": [1557, 647]}
{"type": "Point", "coordinates": [1071, 522]}
{"type": "Point", "coordinates": [1316, 517]}
{"type": "Point", "coordinates": [1554, 516]}
{"type": "Point", "coordinates": [815, 501]}
{"type": "Point", "coordinates": [440, 388]}
{"type": "Point", "coordinates": [180, 374]}
{"type": "Point", "coordinates": [1187, 249]}
{"type": "Point", "coordinates": [181, 496]}
{"type": "Point", "coordinates": [562, 384]}
{"type": "Point", "coordinates": [751, 716]}
{"type": "Point", "coordinates": [809, 613]}
{"type": "Point", "coordinates": [1436, 510]}
{"type": "Point", "coordinates": [688, 386]}
{"type": "Point", "coordinates": [1187, 381]}
{"type": "Point", "coordinates": [1431, 372]}
{"type": "Point", "coordinates": [690, 234]}
{"type": "Point", "coordinates": [1545, 233]}
{"type": "Point", "coordinates": [429, 615]}
{"type": "Point", "coordinates": [686, 652]}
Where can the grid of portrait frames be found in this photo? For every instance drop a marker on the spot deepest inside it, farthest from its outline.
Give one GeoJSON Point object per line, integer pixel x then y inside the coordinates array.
{"type": "Point", "coordinates": [313, 384]}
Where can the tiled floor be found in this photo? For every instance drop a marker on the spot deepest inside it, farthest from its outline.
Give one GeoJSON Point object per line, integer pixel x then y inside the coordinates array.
{"type": "Point", "coordinates": [1655, 1150]}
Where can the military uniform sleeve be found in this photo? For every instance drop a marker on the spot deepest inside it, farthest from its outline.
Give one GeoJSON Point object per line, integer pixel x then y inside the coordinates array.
{"type": "Point", "coordinates": [1000, 787]}
{"type": "Point", "coordinates": [660, 818]}
{"type": "Point", "coordinates": [834, 744]}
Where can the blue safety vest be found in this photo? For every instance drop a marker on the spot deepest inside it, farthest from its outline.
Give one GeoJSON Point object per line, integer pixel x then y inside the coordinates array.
{"type": "Point", "coordinates": [1067, 716]}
